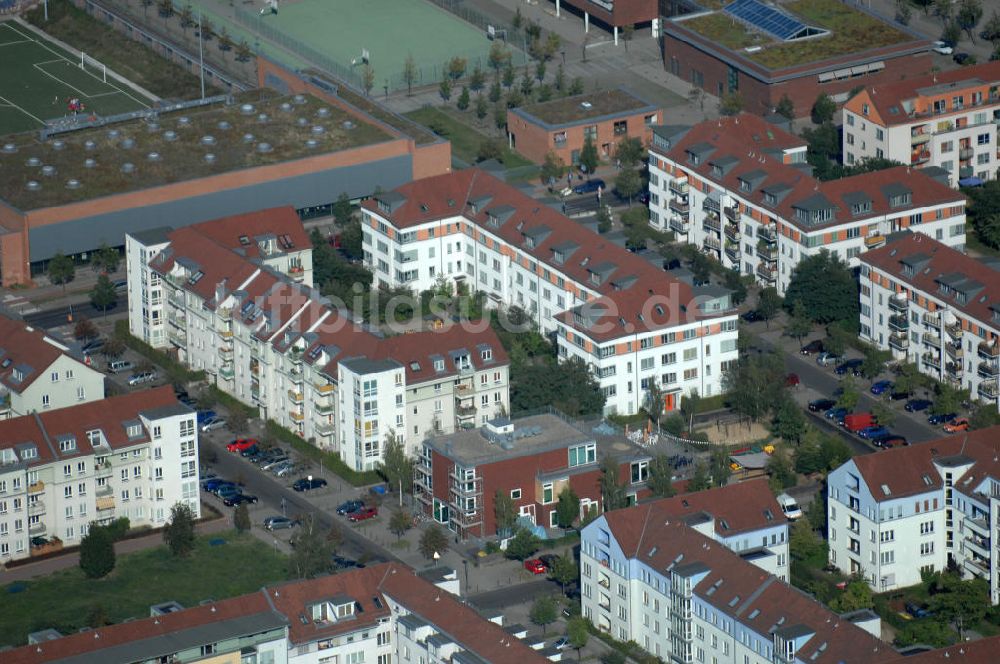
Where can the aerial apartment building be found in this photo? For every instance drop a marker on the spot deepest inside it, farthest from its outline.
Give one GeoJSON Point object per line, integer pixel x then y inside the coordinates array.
{"type": "Point", "coordinates": [233, 298]}
{"type": "Point", "coordinates": [532, 459]}
{"type": "Point", "coordinates": [382, 614]}
{"type": "Point", "coordinates": [937, 308]}
{"type": "Point", "coordinates": [629, 321]}
{"type": "Point", "coordinates": [740, 189]}
{"type": "Point", "coordinates": [946, 119]}
{"type": "Point", "coordinates": [132, 456]}
{"type": "Point", "coordinates": [909, 510]}
{"type": "Point", "coordinates": [38, 373]}
{"type": "Point", "coordinates": [695, 584]}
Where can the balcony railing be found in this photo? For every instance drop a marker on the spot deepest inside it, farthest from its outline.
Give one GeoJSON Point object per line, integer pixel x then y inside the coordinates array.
{"type": "Point", "coordinates": [988, 389]}
{"type": "Point", "coordinates": [979, 546]}
{"type": "Point", "coordinates": [732, 213]}
{"type": "Point", "coordinates": [37, 507]}
{"type": "Point", "coordinates": [712, 223]}
{"type": "Point", "coordinates": [768, 234]}
{"type": "Point", "coordinates": [874, 241]}
{"type": "Point", "coordinates": [920, 157]}
{"type": "Point", "coordinates": [899, 322]}
{"type": "Point", "coordinates": [679, 187]}
{"type": "Point", "coordinates": [954, 351]}
{"type": "Point", "coordinates": [768, 252]}
{"type": "Point", "coordinates": [898, 303]}
{"type": "Point", "coordinates": [766, 273]}
{"type": "Point", "coordinates": [953, 369]}
{"type": "Point", "coordinates": [954, 330]}
{"type": "Point", "coordinates": [464, 412]}
{"type": "Point", "coordinates": [919, 137]}
{"type": "Point", "coordinates": [733, 233]}
{"type": "Point", "coordinates": [989, 369]}
{"type": "Point", "coordinates": [679, 207]}
{"type": "Point", "coordinates": [932, 340]}
{"type": "Point", "coordinates": [965, 153]}
{"type": "Point", "coordinates": [899, 342]}
{"type": "Point", "coordinates": [36, 487]}
{"type": "Point", "coordinates": [932, 360]}
{"type": "Point", "coordinates": [325, 429]}
{"type": "Point", "coordinates": [323, 407]}
{"type": "Point", "coordinates": [227, 372]}
{"type": "Point", "coordinates": [297, 416]}
{"type": "Point", "coordinates": [712, 244]}
{"type": "Point", "coordinates": [295, 397]}
{"type": "Point", "coordinates": [932, 319]}
{"type": "Point", "coordinates": [679, 225]}
{"type": "Point", "coordinates": [733, 253]}
{"type": "Point", "coordinates": [989, 350]}
{"type": "Point", "coordinates": [177, 338]}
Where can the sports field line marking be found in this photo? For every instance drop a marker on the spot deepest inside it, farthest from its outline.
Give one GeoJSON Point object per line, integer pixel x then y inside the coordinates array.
{"type": "Point", "coordinates": [53, 76]}
{"type": "Point", "coordinates": [103, 94]}
{"type": "Point", "coordinates": [13, 43]}
{"type": "Point", "coordinates": [17, 32]}
{"type": "Point", "coordinates": [13, 105]}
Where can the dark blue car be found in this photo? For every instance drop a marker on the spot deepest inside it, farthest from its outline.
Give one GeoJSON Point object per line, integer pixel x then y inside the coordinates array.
{"type": "Point", "coordinates": [590, 186]}
{"type": "Point", "coordinates": [836, 414]}
{"type": "Point", "coordinates": [204, 416]}
{"type": "Point", "coordinates": [916, 405]}
{"type": "Point", "coordinates": [852, 366]}
{"type": "Point", "coordinates": [881, 387]}
{"type": "Point", "coordinates": [873, 432]}
{"type": "Point", "coordinates": [943, 418]}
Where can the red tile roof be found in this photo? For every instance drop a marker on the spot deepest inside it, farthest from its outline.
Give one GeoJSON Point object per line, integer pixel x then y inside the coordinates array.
{"type": "Point", "coordinates": [417, 351]}
{"type": "Point", "coordinates": [22, 346]}
{"type": "Point", "coordinates": [717, 143]}
{"type": "Point", "coordinates": [888, 99]}
{"type": "Point", "coordinates": [983, 651]}
{"type": "Point", "coordinates": [634, 295]}
{"type": "Point", "coordinates": [909, 470]}
{"type": "Point", "coordinates": [939, 260]}
{"type": "Point", "coordinates": [241, 231]}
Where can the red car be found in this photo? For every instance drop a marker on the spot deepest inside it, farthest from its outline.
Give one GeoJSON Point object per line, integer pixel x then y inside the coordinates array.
{"type": "Point", "coordinates": [241, 444]}
{"type": "Point", "coordinates": [535, 566]}
{"type": "Point", "coordinates": [792, 380]}
{"type": "Point", "coordinates": [363, 513]}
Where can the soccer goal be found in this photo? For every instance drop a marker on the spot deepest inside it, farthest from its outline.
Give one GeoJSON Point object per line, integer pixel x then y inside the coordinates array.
{"type": "Point", "coordinates": [362, 60]}
{"type": "Point", "coordinates": [93, 66]}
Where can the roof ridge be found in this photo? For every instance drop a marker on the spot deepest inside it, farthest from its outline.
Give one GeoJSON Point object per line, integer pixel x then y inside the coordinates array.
{"type": "Point", "coordinates": [642, 534]}
{"type": "Point", "coordinates": [45, 434]}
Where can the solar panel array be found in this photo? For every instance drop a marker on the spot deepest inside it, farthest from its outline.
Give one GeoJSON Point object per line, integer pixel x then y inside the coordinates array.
{"type": "Point", "coordinates": [768, 19]}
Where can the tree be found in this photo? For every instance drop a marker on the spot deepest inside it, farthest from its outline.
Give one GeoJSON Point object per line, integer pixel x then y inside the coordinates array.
{"type": "Point", "coordinates": [697, 97]}
{"type": "Point", "coordinates": [410, 73]}
{"type": "Point", "coordinates": [565, 570]}
{"type": "Point", "coordinates": [396, 467]}
{"type": "Point", "coordinates": [613, 657]}
{"type": "Point", "coordinates": [507, 78]}
{"type": "Point", "coordinates": [225, 40]}
{"type": "Point", "coordinates": [491, 148]}
{"type": "Point", "coordinates": [857, 595]}
{"type": "Point", "coordinates": [400, 522]}
{"type": "Point", "coordinates": [178, 534]}
{"type": "Point", "coordinates": [482, 108]}
{"type": "Point", "coordinates": [97, 552]}
{"type": "Point", "coordinates": [84, 330]}
{"type": "Point", "coordinates": [768, 304]}
{"type": "Point", "coordinates": [700, 480]}
{"type": "Point", "coordinates": [785, 107]}
{"type": "Point", "coordinates": [991, 31]}
{"type": "Point", "coordinates": [690, 404]}
{"type": "Point", "coordinates": [207, 29]}
{"type": "Point", "coordinates": [186, 17]}
{"type": "Point", "coordinates": [755, 384]}
{"type": "Point", "coordinates": [243, 50]}
{"type": "Point", "coordinates": [731, 103]}
{"type": "Point", "coordinates": [553, 169]}
{"type": "Point", "coordinates": [628, 31]}
{"type": "Point", "coordinates": [828, 291]}
{"type": "Point", "coordinates": [499, 56]}
{"type": "Point", "coordinates": [789, 422]}
{"type": "Point", "coordinates": [432, 541]}
{"type": "Point", "coordinates": [463, 99]}
{"type": "Point", "coordinates": [823, 109]}
{"type": "Point", "coordinates": [718, 467]}
{"type": "Point", "coordinates": [103, 296]}
{"type": "Point", "coordinates": [568, 386]}
{"type": "Point", "coordinates": [576, 86]}
{"type": "Point", "coordinates": [241, 518]}
{"type": "Point", "coordinates": [543, 612]}
{"type": "Point", "coordinates": [560, 79]}
{"type": "Point", "coordinates": [904, 13]}
{"type": "Point", "coordinates": [311, 551]}
{"type": "Point", "coordinates": [106, 259]}
{"type": "Point", "coordinates": [477, 79]}
{"type": "Point", "coordinates": [837, 340]}
{"type": "Point", "coordinates": [947, 399]}
{"type": "Point", "coordinates": [522, 546]}
{"type": "Point", "coordinates": [588, 156]}
{"type": "Point", "coordinates": [873, 362]}
{"type": "Point", "coordinates": [368, 79]}
{"type": "Point", "coordinates": [527, 84]}
{"type": "Point", "coordinates": [568, 507]}
{"type": "Point", "coordinates": [780, 473]}
{"type": "Point", "coordinates": [457, 67]}
{"type": "Point", "coordinates": [578, 634]}
{"type": "Point", "coordinates": [612, 491]}
{"type": "Point", "coordinates": [970, 12]}
{"type": "Point", "coordinates": [963, 603]}
{"type": "Point", "coordinates": [884, 415]}
{"type": "Point", "coordinates": [630, 151]}
{"type": "Point", "coordinates": [603, 219]}
{"type": "Point", "coordinates": [540, 71]}
{"type": "Point", "coordinates": [799, 324]}
{"type": "Point", "coordinates": [952, 33]}
{"type": "Point", "coordinates": [736, 285]}
{"type": "Point", "coordinates": [500, 116]}
{"type": "Point", "coordinates": [803, 543]}
{"type": "Point", "coordinates": [60, 270]}
{"type": "Point", "coordinates": [628, 183]}
{"type": "Point", "coordinates": [114, 348]}
{"type": "Point", "coordinates": [504, 513]}
{"type": "Point", "coordinates": [823, 150]}
{"type": "Point", "coordinates": [659, 481]}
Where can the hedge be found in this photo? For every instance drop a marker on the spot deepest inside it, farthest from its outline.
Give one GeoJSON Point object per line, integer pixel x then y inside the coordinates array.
{"type": "Point", "coordinates": [328, 459]}
{"type": "Point", "coordinates": [178, 372]}
{"type": "Point", "coordinates": [232, 403]}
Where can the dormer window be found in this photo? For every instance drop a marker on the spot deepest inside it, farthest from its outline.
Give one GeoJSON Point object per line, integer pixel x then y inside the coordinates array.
{"type": "Point", "coordinates": [487, 354]}
{"type": "Point", "coordinates": [717, 170]}
{"type": "Point", "coordinates": [900, 200]}
{"type": "Point", "coordinates": [529, 242]}
{"type": "Point", "coordinates": [492, 220]}
{"type": "Point", "coordinates": [861, 208]}
{"type": "Point", "coordinates": [770, 199]}
{"type": "Point", "coordinates": [134, 430]}
{"type": "Point", "coordinates": [67, 445]}
{"type": "Point", "coordinates": [29, 453]}
{"type": "Point", "coordinates": [558, 257]}
{"type": "Point", "coordinates": [745, 185]}
{"type": "Point", "coordinates": [18, 375]}
{"type": "Point", "coordinates": [383, 206]}
{"type": "Point", "coordinates": [595, 278]}
{"type": "Point", "coordinates": [864, 109]}
{"type": "Point", "coordinates": [438, 365]}
{"type": "Point", "coordinates": [908, 271]}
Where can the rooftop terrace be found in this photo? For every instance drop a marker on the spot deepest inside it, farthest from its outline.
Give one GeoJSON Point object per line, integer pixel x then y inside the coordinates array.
{"type": "Point", "coordinates": [173, 147]}
{"type": "Point", "coordinates": [583, 107]}
{"type": "Point", "coordinates": [851, 31]}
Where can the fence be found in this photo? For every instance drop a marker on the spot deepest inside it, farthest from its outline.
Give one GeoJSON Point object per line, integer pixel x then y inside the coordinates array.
{"type": "Point", "coordinates": [73, 123]}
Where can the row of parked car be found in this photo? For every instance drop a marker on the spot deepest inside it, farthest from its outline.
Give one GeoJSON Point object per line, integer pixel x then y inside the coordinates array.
{"type": "Point", "coordinates": [863, 425]}
{"type": "Point", "coordinates": [357, 510]}
{"type": "Point", "coordinates": [230, 493]}
{"type": "Point", "coordinates": [274, 460]}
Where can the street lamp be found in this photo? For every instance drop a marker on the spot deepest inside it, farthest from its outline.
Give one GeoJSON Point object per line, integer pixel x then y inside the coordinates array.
{"type": "Point", "coordinates": [465, 561]}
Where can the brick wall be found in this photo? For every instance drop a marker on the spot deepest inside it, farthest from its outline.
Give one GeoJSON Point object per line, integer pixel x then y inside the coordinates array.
{"type": "Point", "coordinates": [535, 141]}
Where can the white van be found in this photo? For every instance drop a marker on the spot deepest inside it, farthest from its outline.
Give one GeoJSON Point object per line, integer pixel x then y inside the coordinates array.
{"type": "Point", "coordinates": [789, 507]}
{"type": "Point", "coordinates": [118, 366]}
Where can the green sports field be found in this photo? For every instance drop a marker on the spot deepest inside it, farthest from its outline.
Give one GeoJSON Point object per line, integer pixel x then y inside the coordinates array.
{"type": "Point", "coordinates": [389, 29]}
{"type": "Point", "coordinates": [37, 78]}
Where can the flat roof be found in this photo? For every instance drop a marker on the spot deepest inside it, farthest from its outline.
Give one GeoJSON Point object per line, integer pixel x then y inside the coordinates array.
{"type": "Point", "coordinates": [172, 147]}
{"type": "Point", "coordinates": [571, 110]}
{"type": "Point", "coordinates": [471, 446]}
{"type": "Point", "coordinates": [851, 31]}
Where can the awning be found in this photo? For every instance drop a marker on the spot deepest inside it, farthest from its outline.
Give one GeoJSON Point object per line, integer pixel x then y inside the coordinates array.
{"type": "Point", "coordinates": [970, 182]}
{"type": "Point", "coordinates": [752, 461]}
{"type": "Point", "coordinates": [105, 503]}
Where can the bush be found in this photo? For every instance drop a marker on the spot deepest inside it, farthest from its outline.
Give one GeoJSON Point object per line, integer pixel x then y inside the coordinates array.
{"type": "Point", "coordinates": [118, 528]}
{"type": "Point", "coordinates": [328, 459]}
{"type": "Point", "coordinates": [177, 372]}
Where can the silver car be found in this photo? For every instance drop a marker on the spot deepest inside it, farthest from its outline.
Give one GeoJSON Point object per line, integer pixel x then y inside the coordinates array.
{"type": "Point", "coordinates": [274, 463]}
{"type": "Point", "coordinates": [283, 470]}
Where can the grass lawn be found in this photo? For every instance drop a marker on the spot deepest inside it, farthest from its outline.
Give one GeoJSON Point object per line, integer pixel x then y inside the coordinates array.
{"type": "Point", "coordinates": [63, 600]}
{"type": "Point", "coordinates": [465, 139]}
{"type": "Point", "coordinates": [974, 245]}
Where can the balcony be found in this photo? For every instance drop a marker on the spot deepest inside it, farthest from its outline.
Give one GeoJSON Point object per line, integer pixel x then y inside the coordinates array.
{"type": "Point", "coordinates": [465, 519]}
{"type": "Point", "coordinates": [227, 372]}
{"type": "Point", "coordinates": [899, 342]}
{"type": "Point", "coordinates": [323, 407]}
{"type": "Point", "coordinates": [176, 318]}
{"type": "Point", "coordinates": [711, 244]}
{"type": "Point", "coordinates": [295, 397]}
{"type": "Point", "coordinates": [931, 360]}
{"type": "Point", "coordinates": [36, 529]}
{"type": "Point", "coordinates": [989, 369]}
{"type": "Point", "coordinates": [966, 172]}
{"type": "Point", "coordinates": [226, 336]}
{"type": "Point", "coordinates": [680, 207]}
{"type": "Point", "coordinates": [105, 503]}
{"type": "Point", "coordinates": [954, 330]}
{"type": "Point", "coordinates": [679, 225]}
{"type": "Point", "coordinates": [225, 314]}
{"type": "Point", "coordinates": [989, 350]}
{"type": "Point", "coordinates": [898, 304]}
{"type": "Point", "coordinates": [296, 272]}
{"type": "Point", "coordinates": [919, 137]}
{"type": "Point", "coordinates": [36, 508]}
{"type": "Point", "coordinates": [712, 224]}
{"type": "Point", "coordinates": [953, 370]}
{"type": "Point", "coordinates": [178, 339]}
{"type": "Point", "coordinates": [767, 273]}
{"type": "Point", "coordinates": [988, 389]}
{"type": "Point", "coordinates": [176, 298]}
{"type": "Point", "coordinates": [733, 252]}
{"type": "Point", "coordinates": [679, 186]}
{"type": "Point", "coordinates": [932, 319]}
{"type": "Point", "coordinates": [325, 429]}
{"type": "Point", "coordinates": [768, 234]}
{"type": "Point", "coordinates": [920, 157]}
{"type": "Point", "coordinates": [295, 357]}
{"type": "Point", "coordinates": [465, 412]}
{"type": "Point", "coordinates": [732, 213]}
{"type": "Point", "coordinates": [103, 470]}
{"type": "Point", "coordinates": [899, 322]}
{"type": "Point", "coordinates": [733, 233]}
{"type": "Point", "coordinates": [965, 153]}
{"type": "Point", "coordinates": [931, 339]}
{"type": "Point", "coordinates": [297, 416]}
{"type": "Point", "coordinates": [768, 252]}
{"type": "Point", "coordinates": [226, 353]}
{"type": "Point", "coordinates": [874, 241]}
{"type": "Point", "coordinates": [465, 487]}
{"type": "Point", "coordinates": [977, 567]}
{"type": "Point", "coordinates": [36, 487]}
{"type": "Point", "coordinates": [325, 389]}
{"type": "Point", "coordinates": [955, 351]}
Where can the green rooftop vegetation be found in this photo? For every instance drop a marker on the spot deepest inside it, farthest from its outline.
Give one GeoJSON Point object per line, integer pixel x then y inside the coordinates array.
{"type": "Point", "coordinates": [851, 31]}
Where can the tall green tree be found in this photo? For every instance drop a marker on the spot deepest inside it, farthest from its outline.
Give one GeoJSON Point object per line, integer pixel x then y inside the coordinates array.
{"type": "Point", "coordinates": [543, 612]}
{"type": "Point", "coordinates": [799, 324]}
{"type": "Point", "coordinates": [477, 80]}
{"type": "Point", "coordinates": [568, 386]}
{"type": "Point", "coordinates": [785, 107]}
{"type": "Point", "coordinates": [565, 570]}
{"type": "Point", "coordinates": [103, 296]}
{"type": "Point", "coordinates": [400, 522]}
{"type": "Point", "coordinates": [873, 363]}
{"type": "Point", "coordinates": [578, 634]}
{"type": "Point", "coordinates": [432, 541]}
{"type": "Point", "coordinates": [60, 270]}
{"type": "Point", "coordinates": [97, 552]}
{"type": "Point", "coordinates": [106, 259]}
{"type": "Point", "coordinates": [991, 30]}
{"type": "Point", "coordinates": [754, 384]}
{"type": "Point", "coordinates": [828, 291]}
{"type": "Point", "coordinates": [522, 546]}
{"type": "Point", "coordinates": [311, 550]}
{"type": "Point", "coordinates": [396, 467]}
{"type": "Point", "coordinates": [789, 422]}
{"type": "Point", "coordinates": [719, 468]}
{"type": "Point", "coordinates": [857, 595]}
{"type": "Point", "coordinates": [241, 518]}
{"type": "Point", "coordinates": [178, 534]}
{"type": "Point", "coordinates": [588, 156]}
{"type": "Point", "coordinates": [884, 415]}
{"type": "Point", "coordinates": [701, 479]}
{"type": "Point", "coordinates": [553, 169]}
{"type": "Point", "coordinates": [780, 473]}
{"type": "Point", "coordinates": [823, 109]}
{"type": "Point", "coordinates": [410, 73]}
{"type": "Point", "coordinates": [445, 88]}
{"type": "Point", "coordinates": [504, 513]}
{"type": "Point", "coordinates": [768, 304]}
{"type": "Point", "coordinates": [970, 12]}
{"type": "Point", "coordinates": [660, 478]}
{"type": "Point", "coordinates": [803, 543]}
{"type": "Point", "coordinates": [849, 395]}
{"type": "Point", "coordinates": [690, 405]}
{"type": "Point", "coordinates": [568, 507]}
{"type": "Point", "coordinates": [612, 490]}
{"type": "Point", "coordinates": [731, 103]}
{"type": "Point", "coordinates": [628, 183]}
{"type": "Point", "coordinates": [630, 152]}
{"type": "Point", "coordinates": [958, 601]}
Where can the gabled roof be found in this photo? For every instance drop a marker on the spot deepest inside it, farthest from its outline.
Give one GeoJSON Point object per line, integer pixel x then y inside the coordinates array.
{"type": "Point", "coordinates": [26, 353]}
{"type": "Point", "coordinates": [242, 231]}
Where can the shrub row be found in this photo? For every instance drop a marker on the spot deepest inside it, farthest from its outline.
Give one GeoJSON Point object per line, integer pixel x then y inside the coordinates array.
{"type": "Point", "coordinates": [328, 459]}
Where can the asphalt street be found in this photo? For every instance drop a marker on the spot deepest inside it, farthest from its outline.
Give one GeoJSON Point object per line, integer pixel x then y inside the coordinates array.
{"type": "Point", "coordinates": [58, 316]}
{"type": "Point", "coordinates": [521, 593]}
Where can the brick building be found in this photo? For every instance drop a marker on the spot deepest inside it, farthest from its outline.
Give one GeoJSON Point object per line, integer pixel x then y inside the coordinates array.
{"type": "Point", "coordinates": [613, 14]}
{"type": "Point", "coordinates": [562, 125]}
{"type": "Point", "coordinates": [724, 52]}
{"type": "Point", "coordinates": [532, 459]}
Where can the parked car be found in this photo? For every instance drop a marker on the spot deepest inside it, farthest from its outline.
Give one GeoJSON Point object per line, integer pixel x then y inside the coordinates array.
{"type": "Point", "coordinates": [855, 422]}
{"type": "Point", "coordinates": [850, 366]}
{"type": "Point", "coordinates": [751, 316]}
{"type": "Point", "coordinates": [549, 559]}
{"type": "Point", "coordinates": [942, 48]}
{"type": "Point", "coordinates": [121, 285]}
{"type": "Point", "coordinates": [899, 396]}
{"type": "Point", "coordinates": [119, 366]}
{"type": "Point", "coordinates": [789, 506]}
{"type": "Point", "coordinates": [249, 452]}
{"type": "Point", "coordinates": [279, 523]}
{"type": "Point", "coordinates": [241, 444]}
{"type": "Point", "coordinates": [590, 186]}
{"type": "Point", "coordinates": [956, 425]}
{"type": "Point", "coordinates": [283, 470]}
{"type": "Point", "coordinates": [874, 431]}
{"type": "Point", "coordinates": [561, 643]}
{"type": "Point", "coordinates": [792, 380]}
{"type": "Point", "coordinates": [213, 424]}
{"type": "Point", "coordinates": [890, 442]}
{"type": "Point", "coordinates": [918, 611]}
{"type": "Point", "coordinates": [228, 491]}
{"type": "Point", "coordinates": [349, 506]}
{"type": "Point", "coordinates": [339, 562]}
{"type": "Point", "coordinates": [92, 347]}
{"type": "Point", "coordinates": [213, 482]}
{"type": "Point", "coordinates": [881, 387]}
{"type": "Point", "coordinates": [204, 415]}
{"type": "Point", "coordinates": [141, 377]}
{"type": "Point", "coordinates": [916, 405]}
{"type": "Point", "coordinates": [963, 58]}
{"type": "Point", "coordinates": [535, 566]}
{"type": "Point", "coordinates": [836, 414]}
{"type": "Point", "coordinates": [272, 462]}
{"type": "Point", "coordinates": [814, 346]}
{"type": "Point", "coordinates": [239, 499]}
{"type": "Point", "coordinates": [309, 483]}
{"type": "Point", "coordinates": [362, 514]}
{"type": "Point", "coordinates": [825, 359]}
{"type": "Point", "coordinates": [941, 418]}
{"type": "Point", "coordinates": [821, 405]}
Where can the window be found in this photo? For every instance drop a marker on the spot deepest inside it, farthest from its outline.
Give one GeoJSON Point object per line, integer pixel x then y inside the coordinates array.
{"type": "Point", "coordinates": [187, 428]}
{"type": "Point", "coordinates": [55, 376]}
{"type": "Point", "coordinates": [45, 401]}
{"type": "Point", "coordinates": [927, 548]}
{"type": "Point", "coordinates": [515, 494]}
{"type": "Point", "coordinates": [927, 527]}
{"type": "Point", "coordinates": [640, 471]}
{"type": "Point", "coordinates": [580, 455]}
{"type": "Point", "coordinates": [547, 495]}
